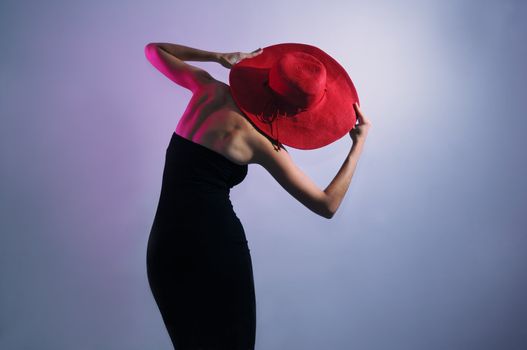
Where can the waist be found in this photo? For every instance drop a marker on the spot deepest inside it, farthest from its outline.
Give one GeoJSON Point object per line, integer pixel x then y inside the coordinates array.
{"type": "Point", "coordinates": [194, 222]}
{"type": "Point", "coordinates": [188, 202]}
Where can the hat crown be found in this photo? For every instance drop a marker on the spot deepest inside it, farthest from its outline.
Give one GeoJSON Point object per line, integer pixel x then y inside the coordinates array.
{"type": "Point", "coordinates": [299, 79]}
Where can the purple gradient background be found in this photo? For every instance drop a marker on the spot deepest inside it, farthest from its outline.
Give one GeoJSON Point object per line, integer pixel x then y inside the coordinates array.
{"type": "Point", "coordinates": [427, 251]}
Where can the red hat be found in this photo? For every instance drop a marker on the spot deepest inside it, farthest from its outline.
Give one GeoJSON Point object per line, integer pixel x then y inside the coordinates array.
{"type": "Point", "coordinates": [296, 94]}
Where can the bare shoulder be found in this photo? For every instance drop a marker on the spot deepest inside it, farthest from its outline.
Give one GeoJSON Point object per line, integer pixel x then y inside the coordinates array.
{"type": "Point", "coordinates": [260, 149]}
{"type": "Point", "coordinates": [253, 146]}
{"type": "Point", "coordinates": [243, 143]}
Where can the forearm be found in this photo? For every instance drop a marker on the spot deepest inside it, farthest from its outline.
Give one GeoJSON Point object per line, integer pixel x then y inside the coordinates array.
{"type": "Point", "coordinates": [338, 187]}
{"type": "Point", "coordinates": [187, 53]}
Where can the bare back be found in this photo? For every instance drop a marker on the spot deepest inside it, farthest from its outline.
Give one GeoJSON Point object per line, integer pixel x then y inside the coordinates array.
{"type": "Point", "coordinates": [213, 119]}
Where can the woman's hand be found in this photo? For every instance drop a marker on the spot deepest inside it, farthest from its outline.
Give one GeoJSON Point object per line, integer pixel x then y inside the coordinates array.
{"type": "Point", "coordinates": [360, 130]}
{"type": "Point", "coordinates": [231, 58]}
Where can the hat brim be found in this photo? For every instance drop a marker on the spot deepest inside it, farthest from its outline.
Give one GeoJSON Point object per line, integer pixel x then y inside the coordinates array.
{"type": "Point", "coordinates": [332, 118]}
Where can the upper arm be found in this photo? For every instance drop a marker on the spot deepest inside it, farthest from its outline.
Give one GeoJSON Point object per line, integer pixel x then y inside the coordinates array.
{"type": "Point", "coordinates": [284, 170]}
{"type": "Point", "coordinates": [180, 72]}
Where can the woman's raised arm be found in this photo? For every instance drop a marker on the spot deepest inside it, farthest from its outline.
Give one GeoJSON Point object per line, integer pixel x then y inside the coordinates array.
{"type": "Point", "coordinates": [187, 53]}
{"type": "Point", "coordinates": [169, 60]}
{"type": "Point", "coordinates": [281, 166]}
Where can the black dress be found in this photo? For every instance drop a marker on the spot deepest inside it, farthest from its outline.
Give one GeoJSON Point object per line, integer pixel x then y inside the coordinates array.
{"type": "Point", "coordinates": [198, 262]}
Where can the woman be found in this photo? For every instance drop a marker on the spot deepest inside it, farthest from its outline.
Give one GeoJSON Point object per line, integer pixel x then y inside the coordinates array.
{"type": "Point", "coordinates": [198, 261]}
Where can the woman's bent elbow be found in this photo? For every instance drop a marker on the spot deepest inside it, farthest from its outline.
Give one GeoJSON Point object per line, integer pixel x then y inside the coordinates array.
{"type": "Point", "coordinates": [328, 208]}
{"type": "Point", "coordinates": [327, 213]}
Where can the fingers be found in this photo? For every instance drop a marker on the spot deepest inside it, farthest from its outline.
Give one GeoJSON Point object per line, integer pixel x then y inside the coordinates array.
{"type": "Point", "coordinates": [360, 116]}
{"type": "Point", "coordinates": [243, 55]}
{"type": "Point", "coordinates": [255, 52]}
{"type": "Point", "coordinates": [358, 112]}
{"type": "Point", "coordinates": [356, 105]}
